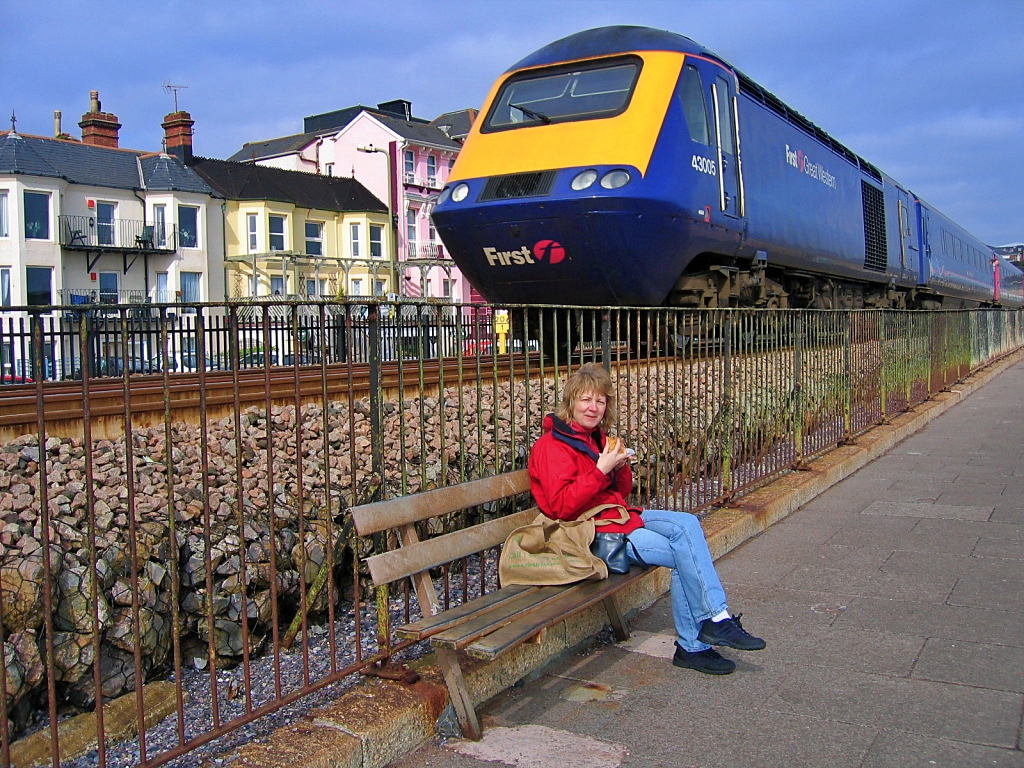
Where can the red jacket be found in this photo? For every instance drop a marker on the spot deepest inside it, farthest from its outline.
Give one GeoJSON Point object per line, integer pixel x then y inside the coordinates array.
{"type": "Point", "coordinates": [565, 480]}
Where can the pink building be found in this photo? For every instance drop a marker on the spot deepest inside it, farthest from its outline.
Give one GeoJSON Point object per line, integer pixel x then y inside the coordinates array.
{"type": "Point", "coordinates": [401, 159]}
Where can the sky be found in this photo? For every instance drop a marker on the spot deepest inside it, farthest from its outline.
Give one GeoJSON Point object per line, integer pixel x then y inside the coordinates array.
{"type": "Point", "coordinates": [930, 91]}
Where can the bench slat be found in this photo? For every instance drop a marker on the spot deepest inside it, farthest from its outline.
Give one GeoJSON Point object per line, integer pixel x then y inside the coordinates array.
{"type": "Point", "coordinates": [518, 632]}
{"type": "Point", "coordinates": [384, 515]}
{"type": "Point", "coordinates": [483, 624]}
{"type": "Point", "coordinates": [413, 558]}
{"type": "Point", "coordinates": [431, 625]}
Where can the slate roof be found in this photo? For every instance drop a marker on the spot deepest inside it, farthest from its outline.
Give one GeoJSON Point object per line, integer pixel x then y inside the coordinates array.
{"type": "Point", "coordinates": [416, 129]}
{"type": "Point", "coordinates": [248, 181]}
{"type": "Point", "coordinates": [79, 163]}
{"type": "Point", "coordinates": [458, 122]}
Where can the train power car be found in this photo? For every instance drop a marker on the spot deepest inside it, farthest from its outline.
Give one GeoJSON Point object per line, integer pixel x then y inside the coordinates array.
{"type": "Point", "coordinates": [630, 166]}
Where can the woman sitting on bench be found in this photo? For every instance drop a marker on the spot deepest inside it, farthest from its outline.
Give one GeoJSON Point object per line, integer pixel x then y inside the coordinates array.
{"type": "Point", "coordinates": [575, 467]}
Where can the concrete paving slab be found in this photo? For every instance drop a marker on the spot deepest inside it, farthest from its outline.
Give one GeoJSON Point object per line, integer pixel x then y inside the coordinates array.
{"type": "Point", "coordinates": [996, 529]}
{"type": "Point", "coordinates": [930, 709]}
{"type": "Point", "coordinates": [979, 625]}
{"type": "Point", "coordinates": [982, 665]}
{"type": "Point", "coordinates": [925, 509]}
{"type": "Point", "coordinates": [1009, 550]}
{"type": "Point", "coordinates": [895, 749]}
{"type": "Point", "coordinates": [984, 592]}
{"type": "Point", "coordinates": [871, 584]}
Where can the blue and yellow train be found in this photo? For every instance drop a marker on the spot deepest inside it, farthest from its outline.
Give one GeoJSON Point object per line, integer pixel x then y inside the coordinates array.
{"type": "Point", "coordinates": [633, 167]}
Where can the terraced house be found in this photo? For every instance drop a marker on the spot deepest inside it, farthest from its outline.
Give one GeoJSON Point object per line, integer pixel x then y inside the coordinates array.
{"type": "Point", "coordinates": [86, 222]}
{"type": "Point", "coordinates": [294, 234]}
{"type": "Point", "coordinates": [403, 160]}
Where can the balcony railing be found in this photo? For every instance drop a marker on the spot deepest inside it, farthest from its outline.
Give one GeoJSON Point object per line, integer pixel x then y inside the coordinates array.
{"type": "Point", "coordinates": [427, 251]}
{"type": "Point", "coordinates": [88, 233]}
{"type": "Point", "coordinates": [74, 296]}
{"type": "Point", "coordinates": [428, 182]}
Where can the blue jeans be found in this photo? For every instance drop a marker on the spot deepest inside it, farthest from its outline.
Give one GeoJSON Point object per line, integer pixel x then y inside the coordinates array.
{"type": "Point", "coordinates": [676, 540]}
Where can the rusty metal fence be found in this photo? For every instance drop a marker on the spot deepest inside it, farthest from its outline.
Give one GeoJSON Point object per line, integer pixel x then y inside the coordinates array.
{"type": "Point", "coordinates": [183, 522]}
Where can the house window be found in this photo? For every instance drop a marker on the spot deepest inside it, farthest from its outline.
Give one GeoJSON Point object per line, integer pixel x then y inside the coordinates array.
{"type": "Point", "coordinates": [163, 295]}
{"type": "Point", "coordinates": [37, 216]}
{"type": "Point", "coordinates": [376, 241]}
{"type": "Point", "coordinates": [5, 286]}
{"type": "Point", "coordinates": [447, 288]}
{"type": "Point", "coordinates": [314, 238]}
{"type": "Point", "coordinates": [410, 165]}
{"type": "Point", "coordinates": [354, 233]}
{"type": "Point", "coordinates": [410, 225]}
{"type": "Point", "coordinates": [431, 170]}
{"type": "Point", "coordinates": [188, 226]}
{"type": "Point", "coordinates": [108, 287]}
{"type": "Point", "coordinates": [251, 226]}
{"type": "Point", "coordinates": [357, 287]}
{"type": "Point", "coordinates": [330, 169]}
{"type": "Point", "coordinates": [254, 285]}
{"type": "Point", "coordinates": [190, 289]}
{"type": "Point", "coordinates": [311, 289]}
{"type": "Point", "coordinates": [160, 226]}
{"type": "Point", "coordinates": [431, 232]}
{"type": "Point", "coordinates": [39, 285]}
{"type": "Point", "coordinates": [451, 163]}
{"type": "Point", "coordinates": [277, 285]}
{"type": "Point", "coordinates": [4, 231]}
{"type": "Point", "coordinates": [277, 233]}
{"type": "Point", "coordinates": [378, 287]}
{"type": "Point", "coordinates": [105, 213]}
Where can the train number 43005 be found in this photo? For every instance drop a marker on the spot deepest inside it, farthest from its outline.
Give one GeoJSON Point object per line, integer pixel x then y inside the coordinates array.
{"type": "Point", "coordinates": [704, 165]}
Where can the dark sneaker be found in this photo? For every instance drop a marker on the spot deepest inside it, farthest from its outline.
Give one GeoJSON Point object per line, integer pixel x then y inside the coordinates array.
{"type": "Point", "coordinates": [708, 661]}
{"type": "Point", "coordinates": [729, 633]}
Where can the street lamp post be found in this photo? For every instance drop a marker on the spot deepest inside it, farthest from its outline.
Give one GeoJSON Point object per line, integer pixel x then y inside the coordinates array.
{"type": "Point", "coordinates": [370, 149]}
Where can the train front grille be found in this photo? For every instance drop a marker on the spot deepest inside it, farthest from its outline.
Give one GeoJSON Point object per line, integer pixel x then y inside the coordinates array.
{"type": "Point", "coordinates": [535, 184]}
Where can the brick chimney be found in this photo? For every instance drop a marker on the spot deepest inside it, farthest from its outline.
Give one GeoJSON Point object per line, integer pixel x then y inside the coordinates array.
{"type": "Point", "coordinates": [178, 135]}
{"type": "Point", "coordinates": [99, 128]}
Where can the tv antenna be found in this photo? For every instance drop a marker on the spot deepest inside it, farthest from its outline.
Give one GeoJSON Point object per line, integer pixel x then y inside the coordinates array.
{"type": "Point", "coordinates": [173, 89]}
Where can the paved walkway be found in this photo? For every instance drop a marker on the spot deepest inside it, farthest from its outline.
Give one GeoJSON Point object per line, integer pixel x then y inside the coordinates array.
{"type": "Point", "coordinates": [893, 606]}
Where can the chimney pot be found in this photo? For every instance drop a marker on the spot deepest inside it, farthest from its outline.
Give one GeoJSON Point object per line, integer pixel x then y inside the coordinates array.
{"type": "Point", "coordinates": [56, 124]}
{"type": "Point", "coordinates": [99, 128]}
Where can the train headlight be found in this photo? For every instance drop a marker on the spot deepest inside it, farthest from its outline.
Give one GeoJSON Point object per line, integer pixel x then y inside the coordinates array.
{"type": "Point", "coordinates": [584, 180]}
{"type": "Point", "coordinates": [615, 179]}
{"type": "Point", "coordinates": [460, 192]}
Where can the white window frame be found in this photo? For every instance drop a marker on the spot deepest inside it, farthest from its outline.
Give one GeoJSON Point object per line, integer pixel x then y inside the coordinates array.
{"type": "Point", "coordinates": [41, 268]}
{"type": "Point", "coordinates": [431, 170]}
{"type": "Point", "coordinates": [355, 236]}
{"type": "Point", "coordinates": [109, 227]}
{"type": "Point", "coordinates": [5, 287]}
{"type": "Point", "coordinates": [198, 239]}
{"type": "Point", "coordinates": [283, 234]}
{"type": "Point", "coordinates": [379, 287]}
{"type": "Point", "coordinates": [163, 295]}
{"type": "Point", "coordinates": [252, 229]}
{"type": "Point", "coordinates": [357, 286]}
{"type": "Point", "coordinates": [411, 227]}
{"type": "Point", "coordinates": [378, 242]}
{"type": "Point", "coordinates": [409, 165]}
{"type": "Point", "coordinates": [329, 168]}
{"type": "Point", "coordinates": [160, 226]}
{"type": "Point", "coordinates": [104, 298]}
{"type": "Point", "coordinates": [5, 229]}
{"type": "Point", "coordinates": [318, 239]}
{"type": "Point", "coordinates": [49, 217]}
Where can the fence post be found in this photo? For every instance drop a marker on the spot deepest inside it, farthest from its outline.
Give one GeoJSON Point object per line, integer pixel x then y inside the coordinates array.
{"type": "Point", "coordinates": [798, 395]}
{"type": "Point", "coordinates": [606, 339]}
{"type": "Point", "coordinates": [728, 432]}
{"type": "Point", "coordinates": [884, 365]}
{"type": "Point", "coordinates": [848, 376]}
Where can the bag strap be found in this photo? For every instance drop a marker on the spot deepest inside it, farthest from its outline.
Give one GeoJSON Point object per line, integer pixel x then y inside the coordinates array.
{"type": "Point", "coordinates": [594, 511]}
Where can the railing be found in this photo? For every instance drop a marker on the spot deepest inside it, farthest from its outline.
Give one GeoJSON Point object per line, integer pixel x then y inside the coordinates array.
{"type": "Point", "coordinates": [78, 296]}
{"type": "Point", "coordinates": [427, 251]}
{"type": "Point", "coordinates": [91, 233]}
{"type": "Point", "coordinates": [428, 182]}
{"type": "Point", "coordinates": [190, 539]}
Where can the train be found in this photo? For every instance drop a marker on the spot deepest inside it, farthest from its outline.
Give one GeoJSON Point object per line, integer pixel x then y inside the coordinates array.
{"type": "Point", "coordinates": [628, 166]}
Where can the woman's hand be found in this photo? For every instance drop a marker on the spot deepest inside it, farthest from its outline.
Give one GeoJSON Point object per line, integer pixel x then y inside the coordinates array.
{"type": "Point", "coordinates": [613, 456]}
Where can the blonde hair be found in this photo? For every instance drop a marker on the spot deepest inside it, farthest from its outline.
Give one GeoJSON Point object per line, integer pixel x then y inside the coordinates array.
{"type": "Point", "coordinates": [590, 378]}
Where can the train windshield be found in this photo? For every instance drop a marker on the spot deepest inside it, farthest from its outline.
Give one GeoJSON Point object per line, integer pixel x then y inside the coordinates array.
{"type": "Point", "coordinates": [580, 94]}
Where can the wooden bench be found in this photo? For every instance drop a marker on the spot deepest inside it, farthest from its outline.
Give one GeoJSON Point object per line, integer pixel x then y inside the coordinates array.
{"type": "Point", "coordinates": [494, 623]}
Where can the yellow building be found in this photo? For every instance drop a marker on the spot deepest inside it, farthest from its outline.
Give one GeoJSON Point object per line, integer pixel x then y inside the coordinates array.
{"type": "Point", "coordinates": [300, 235]}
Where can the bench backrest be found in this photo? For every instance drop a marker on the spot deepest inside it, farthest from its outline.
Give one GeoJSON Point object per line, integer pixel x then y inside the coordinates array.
{"type": "Point", "coordinates": [403, 513]}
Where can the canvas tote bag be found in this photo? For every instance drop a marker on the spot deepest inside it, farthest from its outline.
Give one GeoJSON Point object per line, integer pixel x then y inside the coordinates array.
{"type": "Point", "coordinates": [550, 552]}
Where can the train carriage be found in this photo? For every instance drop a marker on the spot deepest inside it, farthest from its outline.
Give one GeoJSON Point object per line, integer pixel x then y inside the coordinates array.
{"type": "Point", "coordinates": [633, 167]}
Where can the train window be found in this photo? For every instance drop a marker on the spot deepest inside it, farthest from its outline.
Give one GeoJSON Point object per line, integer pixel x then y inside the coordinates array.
{"type": "Point", "coordinates": [694, 109]}
{"type": "Point", "coordinates": [691, 96]}
{"type": "Point", "coordinates": [725, 115]}
{"type": "Point", "coordinates": [554, 96]}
